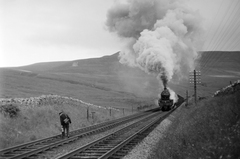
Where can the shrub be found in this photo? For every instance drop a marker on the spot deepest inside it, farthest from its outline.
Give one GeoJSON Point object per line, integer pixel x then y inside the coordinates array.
{"type": "Point", "coordinates": [33, 137]}
{"type": "Point", "coordinates": [10, 110]}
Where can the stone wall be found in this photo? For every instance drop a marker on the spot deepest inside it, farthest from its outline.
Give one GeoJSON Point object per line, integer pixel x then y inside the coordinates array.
{"type": "Point", "coordinates": [49, 100]}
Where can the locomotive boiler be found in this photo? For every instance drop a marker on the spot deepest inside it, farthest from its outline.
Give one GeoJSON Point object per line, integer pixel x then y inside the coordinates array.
{"type": "Point", "coordinates": [165, 103]}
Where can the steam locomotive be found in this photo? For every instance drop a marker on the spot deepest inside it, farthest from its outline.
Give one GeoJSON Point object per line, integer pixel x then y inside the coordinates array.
{"type": "Point", "coordinates": [165, 103]}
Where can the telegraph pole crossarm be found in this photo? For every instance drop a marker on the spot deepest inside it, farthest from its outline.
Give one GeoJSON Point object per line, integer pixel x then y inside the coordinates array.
{"type": "Point", "coordinates": [195, 79]}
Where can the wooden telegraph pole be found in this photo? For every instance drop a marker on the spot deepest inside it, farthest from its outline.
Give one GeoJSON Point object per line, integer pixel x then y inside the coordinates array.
{"type": "Point", "coordinates": [195, 79]}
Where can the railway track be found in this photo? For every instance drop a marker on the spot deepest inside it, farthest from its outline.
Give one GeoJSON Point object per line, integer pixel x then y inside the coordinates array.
{"type": "Point", "coordinates": [32, 149]}
{"type": "Point", "coordinates": [119, 143]}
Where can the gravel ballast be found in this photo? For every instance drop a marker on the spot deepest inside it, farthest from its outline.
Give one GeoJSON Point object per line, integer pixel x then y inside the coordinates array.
{"type": "Point", "coordinates": [144, 149]}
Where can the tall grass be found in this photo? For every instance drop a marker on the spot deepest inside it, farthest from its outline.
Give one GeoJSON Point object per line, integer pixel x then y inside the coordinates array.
{"type": "Point", "coordinates": [210, 129]}
{"type": "Point", "coordinates": [32, 123]}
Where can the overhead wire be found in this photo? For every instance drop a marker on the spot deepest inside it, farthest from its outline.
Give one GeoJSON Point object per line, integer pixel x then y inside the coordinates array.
{"type": "Point", "coordinates": [215, 34]}
{"type": "Point", "coordinates": [226, 26]}
{"type": "Point", "coordinates": [223, 35]}
{"type": "Point", "coordinates": [236, 25]}
{"type": "Point", "coordinates": [210, 28]}
{"type": "Point", "coordinates": [236, 42]}
{"type": "Point", "coordinates": [231, 46]}
{"type": "Point", "coordinates": [215, 17]}
{"type": "Point", "coordinates": [215, 55]}
{"type": "Point", "coordinates": [212, 56]}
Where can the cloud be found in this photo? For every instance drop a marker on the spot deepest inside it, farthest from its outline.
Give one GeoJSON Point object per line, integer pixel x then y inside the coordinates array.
{"type": "Point", "coordinates": [61, 29]}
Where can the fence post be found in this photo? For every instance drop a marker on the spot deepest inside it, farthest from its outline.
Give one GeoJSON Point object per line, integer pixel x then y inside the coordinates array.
{"type": "Point", "coordinates": [88, 113]}
{"type": "Point", "coordinates": [93, 115]}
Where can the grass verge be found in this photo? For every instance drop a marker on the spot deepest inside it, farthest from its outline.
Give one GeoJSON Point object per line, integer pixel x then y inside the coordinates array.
{"type": "Point", "coordinates": [209, 130]}
{"type": "Point", "coordinates": [20, 124]}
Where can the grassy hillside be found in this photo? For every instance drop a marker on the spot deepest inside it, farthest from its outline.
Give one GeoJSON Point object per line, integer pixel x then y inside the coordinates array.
{"type": "Point", "coordinates": [104, 81]}
{"type": "Point", "coordinates": [101, 81]}
{"type": "Point", "coordinates": [210, 129]}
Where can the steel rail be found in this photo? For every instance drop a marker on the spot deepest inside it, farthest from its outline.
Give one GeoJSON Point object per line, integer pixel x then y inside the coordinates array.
{"type": "Point", "coordinates": [52, 142]}
{"type": "Point", "coordinates": [104, 151]}
{"type": "Point", "coordinates": [135, 138]}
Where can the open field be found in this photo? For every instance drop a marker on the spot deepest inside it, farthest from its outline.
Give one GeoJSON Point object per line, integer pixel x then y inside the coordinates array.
{"type": "Point", "coordinates": [104, 81]}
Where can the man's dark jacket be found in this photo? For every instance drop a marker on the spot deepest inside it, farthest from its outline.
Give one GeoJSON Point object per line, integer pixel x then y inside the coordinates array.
{"type": "Point", "coordinates": [64, 119]}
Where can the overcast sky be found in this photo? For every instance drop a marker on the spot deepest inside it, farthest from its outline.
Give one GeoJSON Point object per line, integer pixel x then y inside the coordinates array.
{"type": "Point", "coordinates": [34, 31]}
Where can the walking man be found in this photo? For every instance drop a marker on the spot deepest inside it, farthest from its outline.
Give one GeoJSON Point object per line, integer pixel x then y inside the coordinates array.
{"type": "Point", "coordinates": [65, 121]}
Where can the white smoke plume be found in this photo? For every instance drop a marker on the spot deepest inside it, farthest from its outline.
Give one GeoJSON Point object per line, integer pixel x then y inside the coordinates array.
{"type": "Point", "coordinates": [162, 36]}
{"type": "Point", "coordinates": [173, 95]}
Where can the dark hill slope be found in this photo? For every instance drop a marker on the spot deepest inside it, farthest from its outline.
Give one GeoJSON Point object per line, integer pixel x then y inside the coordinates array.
{"type": "Point", "coordinates": [213, 62]}
{"type": "Point", "coordinates": [217, 68]}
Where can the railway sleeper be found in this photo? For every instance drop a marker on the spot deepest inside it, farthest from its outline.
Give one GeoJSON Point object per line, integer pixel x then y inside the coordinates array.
{"type": "Point", "coordinates": [82, 157]}
{"type": "Point", "coordinates": [89, 155]}
{"type": "Point", "coordinates": [117, 155]}
{"type": "Point", "coordinates": [98, 149]}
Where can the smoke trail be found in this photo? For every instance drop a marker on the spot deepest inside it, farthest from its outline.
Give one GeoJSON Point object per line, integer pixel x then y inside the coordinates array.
{"type": "Point", "coordinates": [173, 95]}
{"type": "Point", "coordinates": [162, 36]}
